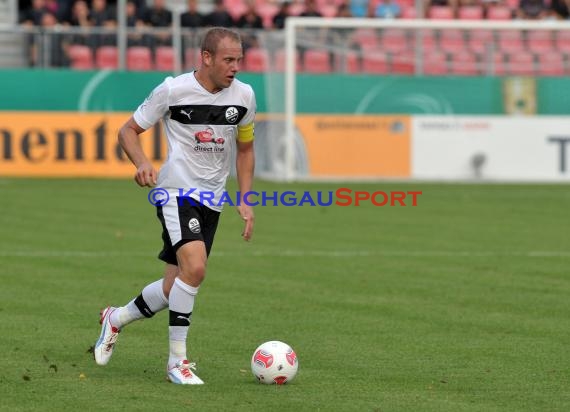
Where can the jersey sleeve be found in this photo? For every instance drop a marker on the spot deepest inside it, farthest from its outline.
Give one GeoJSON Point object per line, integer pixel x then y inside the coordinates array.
{"type": "Point", "coordinates": [246, 126]}
{"type": "Point", "coordinates": [154, 106]}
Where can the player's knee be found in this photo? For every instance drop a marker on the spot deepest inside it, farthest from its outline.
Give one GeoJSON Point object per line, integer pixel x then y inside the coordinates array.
{"type": "Point", "coordinates": [195, 275]}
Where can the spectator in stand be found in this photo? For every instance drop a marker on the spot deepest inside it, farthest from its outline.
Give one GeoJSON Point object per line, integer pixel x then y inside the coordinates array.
{"type": "Point", "coordinates": [159, 16]}
{"type": "Point", "coordinates": [79, 19]}
{"type": "Point", "coordinates": [454, 4]}
{"type": "Point", "coordinates": [103, 16]}
{"type": "Point", "coordinates": [559, 9]}
{"type": "Point", "coordinates": [359, 8]}
{"type": "Point", "coordinates": [532, 10]}
{"type": "Point", "coordinates": [311, 9]}
{"type": "Point", "coordinates": [133, 21]}
{"type": "Point", "coordinates": [219, 17]}
{"type": "Point", "coordinates": [386, 9]}
{"type": "Point", "coordinates": [51, 52]}
{"type": "Point", "coordinates": [33, 15]}
{"type": "Point", "coordinates": [191, 18]}
{"type": "Point", "coordinates": [282, 14]}
{"type": "Point", "coordinates": [249, 22]}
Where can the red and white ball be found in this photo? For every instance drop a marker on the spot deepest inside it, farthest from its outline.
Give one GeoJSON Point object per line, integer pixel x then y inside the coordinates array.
{"type": "Point", "coordinates": [274, 362]}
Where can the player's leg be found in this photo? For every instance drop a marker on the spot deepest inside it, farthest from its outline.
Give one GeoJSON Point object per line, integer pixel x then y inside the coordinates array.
{"type": "Point", "coordinates": [151, 300]}
{"type": "Point", "coordinates": [192, 254]}
{"type": "Point", "coordinates": [192, 270]}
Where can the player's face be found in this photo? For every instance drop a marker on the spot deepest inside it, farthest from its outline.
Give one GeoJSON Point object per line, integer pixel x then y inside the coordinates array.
{"type": "Point", "coordinates": [225, 63]}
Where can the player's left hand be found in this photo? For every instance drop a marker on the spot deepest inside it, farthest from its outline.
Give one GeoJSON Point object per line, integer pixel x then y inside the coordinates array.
{"type": "Point", "coordinates": [246, 213]}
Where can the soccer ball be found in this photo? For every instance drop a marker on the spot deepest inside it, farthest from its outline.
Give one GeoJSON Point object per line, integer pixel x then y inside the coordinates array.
{"type": "Point", "coordinates": [274, 362]}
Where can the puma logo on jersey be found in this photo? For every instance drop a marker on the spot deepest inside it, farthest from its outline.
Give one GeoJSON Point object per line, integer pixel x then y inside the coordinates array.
{"type": "Point", "coordinates": [184, 112]}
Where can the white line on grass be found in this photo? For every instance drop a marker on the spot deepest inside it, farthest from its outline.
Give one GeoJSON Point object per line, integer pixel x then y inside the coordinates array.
{"type": "Point", "coordinates": [290, 253]}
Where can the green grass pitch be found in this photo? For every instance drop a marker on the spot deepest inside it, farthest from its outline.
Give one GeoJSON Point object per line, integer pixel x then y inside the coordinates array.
{"type": "Point", "coordinates": [461, 303]}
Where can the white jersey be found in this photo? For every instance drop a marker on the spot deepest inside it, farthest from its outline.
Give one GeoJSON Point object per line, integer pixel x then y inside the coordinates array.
{"type": "Point", "coordinates": [201, 131]}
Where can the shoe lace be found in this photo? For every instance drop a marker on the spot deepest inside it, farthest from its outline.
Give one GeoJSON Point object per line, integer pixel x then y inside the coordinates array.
{"type": "Point", "coordinates": [185, 368]}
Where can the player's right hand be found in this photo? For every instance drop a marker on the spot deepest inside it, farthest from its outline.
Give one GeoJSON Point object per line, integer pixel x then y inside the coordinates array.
{"type": "Point", "coordinates": [146, 175]}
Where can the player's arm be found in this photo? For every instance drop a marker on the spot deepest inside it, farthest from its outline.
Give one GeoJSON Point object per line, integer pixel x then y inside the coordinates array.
{"type": "Point", "coordinates": [129, 139]}
{"type": "Point", "coordinates": [245, 164]}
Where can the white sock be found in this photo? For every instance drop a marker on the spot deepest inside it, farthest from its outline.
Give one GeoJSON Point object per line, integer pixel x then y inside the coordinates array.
{"type": "Point", "coordinates": [181, 304]}
{"type": "Point", "coordinates": [152, 300]}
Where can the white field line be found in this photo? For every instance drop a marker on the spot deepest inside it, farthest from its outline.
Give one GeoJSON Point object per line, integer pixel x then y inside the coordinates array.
{"type": "Point", "coordinates": [290, 253]}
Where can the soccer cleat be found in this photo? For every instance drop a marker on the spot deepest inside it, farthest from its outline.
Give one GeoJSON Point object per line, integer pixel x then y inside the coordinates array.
{"type": "Point", "coordinates": [109, 334]}
{"type": "Point", "coordinates": [181, 374]}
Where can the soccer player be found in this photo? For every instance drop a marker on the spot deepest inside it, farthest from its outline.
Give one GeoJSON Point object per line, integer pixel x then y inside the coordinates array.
{"type": "Point", "coordinates": [210, 98]}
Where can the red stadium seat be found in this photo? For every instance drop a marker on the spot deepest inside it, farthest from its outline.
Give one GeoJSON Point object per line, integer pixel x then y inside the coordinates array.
{"type": "Point", "coordinates": [347, 61]}
{"type": "Point", "coordinates": [470, 13]}
{"type": "Point", "coordinates": [510, 41]}
{"type": "Point", "coordinates": [375, 62]}
{"type": "Point", "coordinates": [328, 10]}
{"type": "Point", "coordinates": [107, 57]}
{"type": "Point", "coordinates": [479, 40]}
{"type": "Point", "coordinates": [563, 41]}
{"type": "Point", "coordinates": [521, 64]}
{"type": "Point", "coordinates": [192, 58]}
{"type": "Point", "coordinates": [440, 13]}
{"type": "Point", "coordinates": [499, 66]}
{"type": "Point", "coordinates": [540, 41]}
{"type": "Point", "coordinates": [365, 38]}
{"type": "Point", "coordinates": [139, 58]}
{"type": "Point", "coordinates": [435, 63]}
{"type": "Point", "coordinates": [499, 13]}
{"type": "Point", "coordinates": [81, 57]}
{"type": "Point", "coordinates": [409, 12]}
{"type": "Point", "coordinates": [428, 39]}
{"type": "Point", "coordinates": [404, 63]}
{"type": "Point", "coordinates": [164, 58]}
{"type": "Point", "coordinates": [256, 60]}
{"type": "Point", "coordinates": [451, 40]}
{"type": "Point", "coordinates": [316, 61]}
{"type": "Point", "coordinates": [464, 63]}
{"type": "Point", "coordinates": [394, 41]}
{"type": "Point", "coordinates": [279, 61]}
{"type": "Point", "coordinates": [550, 64]}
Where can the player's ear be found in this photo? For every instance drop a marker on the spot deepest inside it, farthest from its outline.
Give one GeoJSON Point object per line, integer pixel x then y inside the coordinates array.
{"type": "Point", "coordinates": [207, 57]}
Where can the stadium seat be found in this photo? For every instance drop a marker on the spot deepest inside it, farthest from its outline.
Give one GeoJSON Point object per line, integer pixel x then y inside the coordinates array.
{"type": "Point", "coordinates": [451, 40]}
{"type": "Point", "coordinates": [328, 10]}
{"type": "Point", "coordinates": [403, 63]}
{"type": "Point", "coordinates": [375, 62]}
{"type": "Point", "coordinates": [464, 63]}
{"type": "Point", "coordinates": [435, 63]}
{"type": "Point", "coordinates": [164, 58]}
{"type": "Point", "coordinates": [256, 60]}
{"type": "Point", "coordinates": [279, 61]}
{"type": "Point", "coordinates": [394, 40]}
{"type": "Point", "coordinates": [80, 56]}
{"type": "Point", "coordinates": [499, 67]}
{"type": "Point", "coordinates": [428, 39]}
{"type": "Point", "coordinates": [540, 41]}
{"type": "Point", "coordinates": [236, 8]}
{"type": "Point", "coordinates": [550, 64]}
{"type": "Point", "coordinates": [192, 58]}
{"type": "Point", "coordinates": [440, 13]}
{"type": "Point", "coordinates": [107, 57]}
{"type": "Point", "coordinates": [139, 58]}
{"type": "Point", "coordinates": [479, 40]}
{"type": "Point", "coordinates": [521, 63]}
{"type": "Point", "coordinates": [365, 38]}
{"type": "Point", "coordinates": [316, 61]}
{"type": "Point", "coordinates": [510, 41]}
{"type": "Point", "coordinates": [470, 13]}
{"type": "Point", "coordinates": [348, 62]}
{"type": "Point", "coordinates": [563, 41]}
{"type": "Point", "coordinates": [409, 12]}
{"type": "Point", "coordinates": [296, 8]}
{"type": "Point", "coordinates": [499, 13]}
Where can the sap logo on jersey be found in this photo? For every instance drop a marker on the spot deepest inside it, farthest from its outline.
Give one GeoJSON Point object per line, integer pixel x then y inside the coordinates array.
{"type": "Point", "coordinates": [232, 114]}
